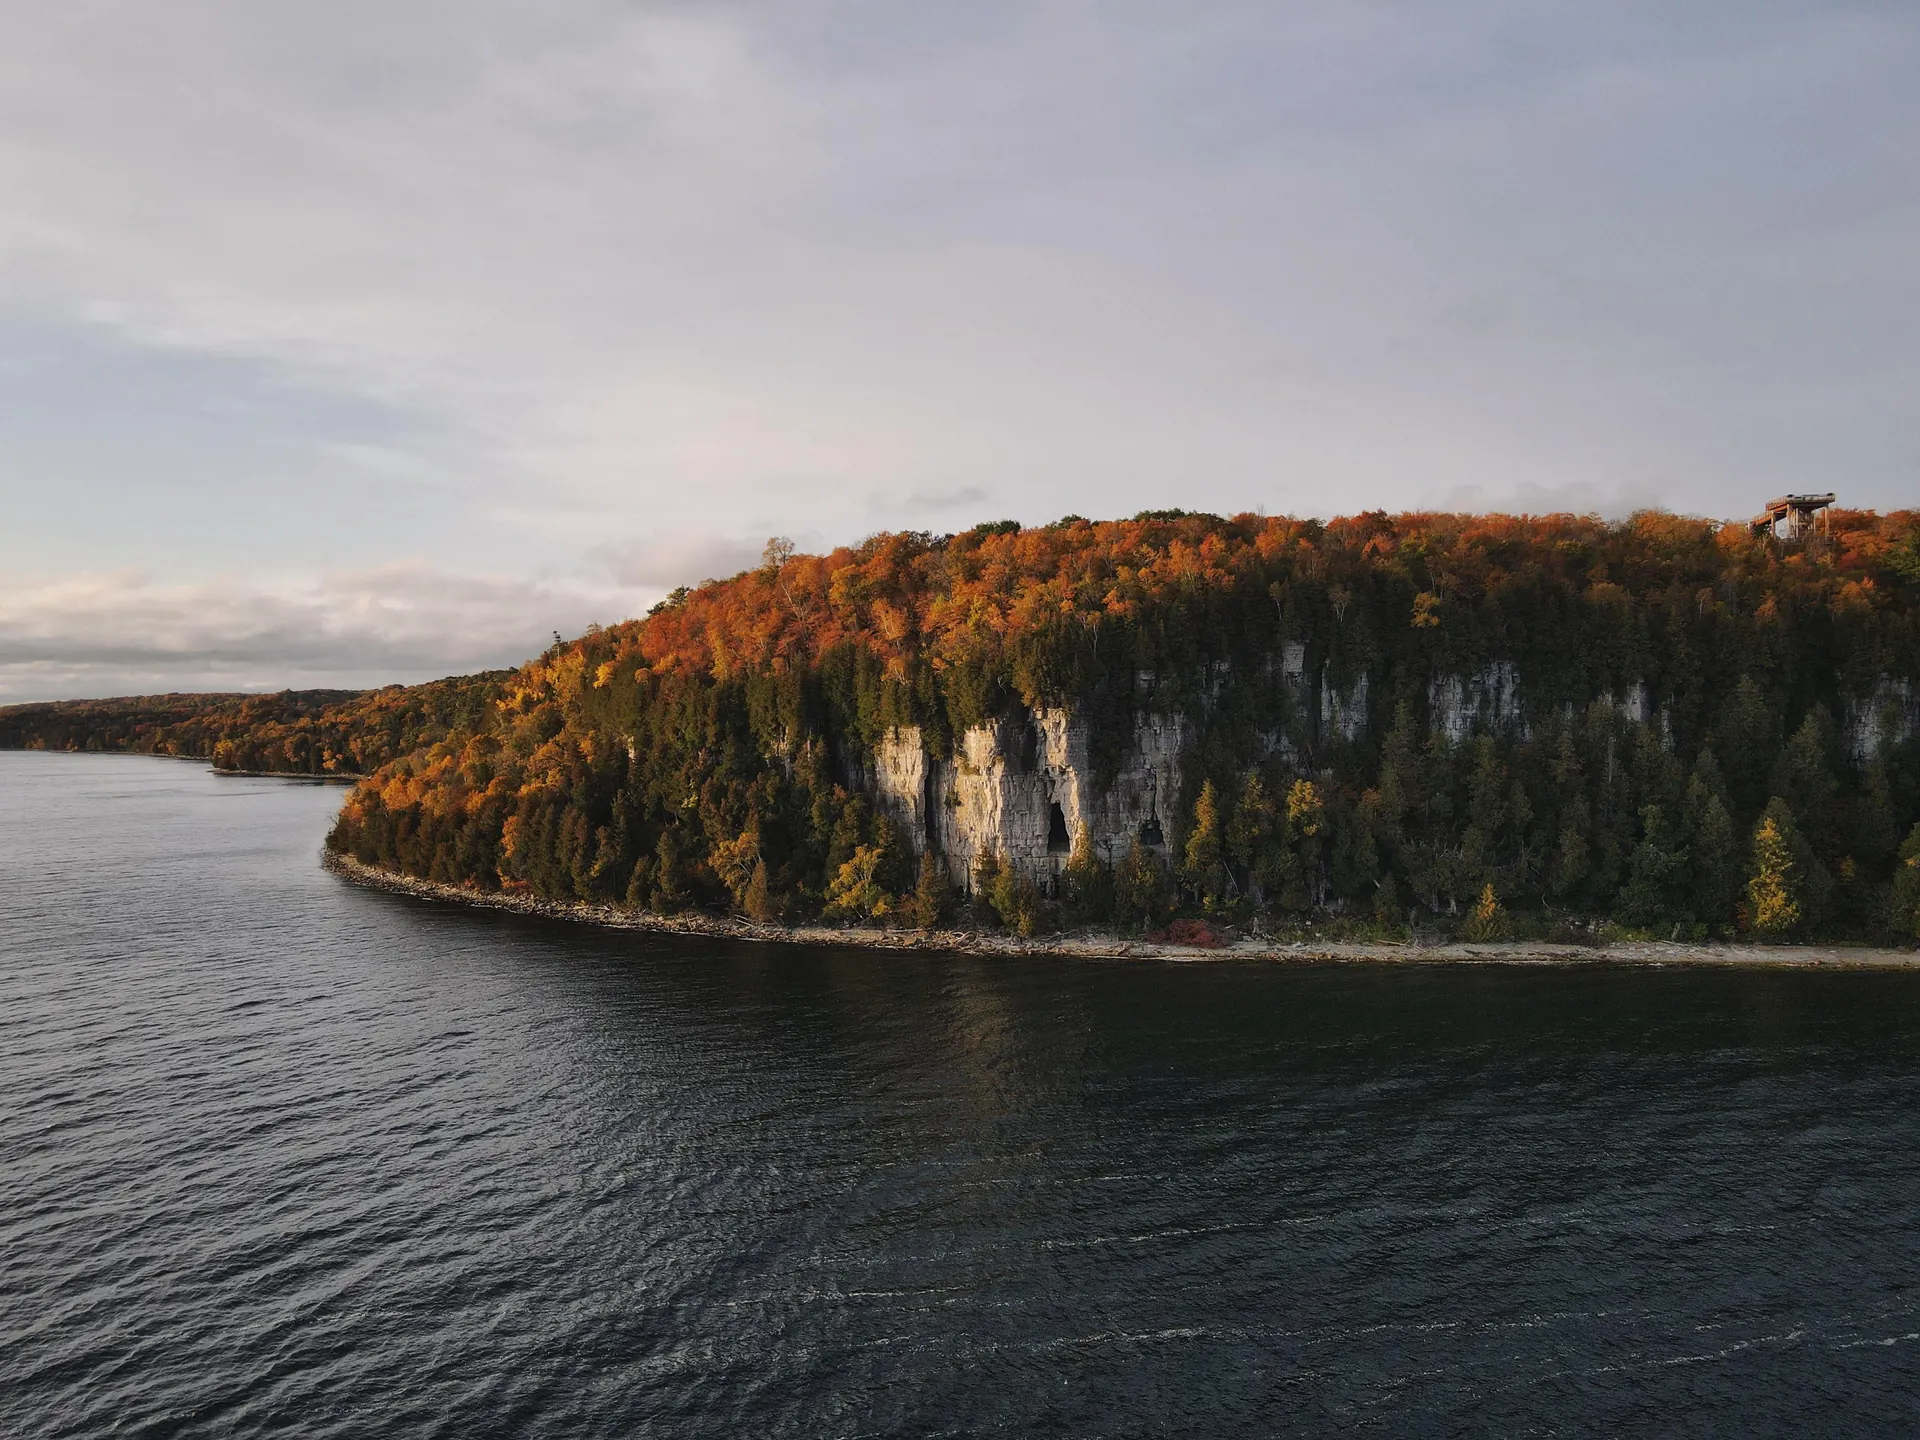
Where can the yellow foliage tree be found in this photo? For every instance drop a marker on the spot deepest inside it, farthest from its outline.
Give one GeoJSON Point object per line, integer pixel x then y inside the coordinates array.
{"type": "Point", "coordinates": [856, 892]}
{"type": "Point", "coordinates": [1773, 905]}
{"type": "Point", "coordinates": [1489, 918]}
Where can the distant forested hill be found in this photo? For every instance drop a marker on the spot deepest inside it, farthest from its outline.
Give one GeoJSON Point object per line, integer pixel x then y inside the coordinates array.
{"type": "Point", "coordinates": [1686, 727]}
{"type": "Point", "coordinates": [304, 732]}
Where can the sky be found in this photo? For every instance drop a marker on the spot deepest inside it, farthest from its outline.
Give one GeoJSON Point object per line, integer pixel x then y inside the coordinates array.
{"type": "Point", "coordinates": [367, 342]}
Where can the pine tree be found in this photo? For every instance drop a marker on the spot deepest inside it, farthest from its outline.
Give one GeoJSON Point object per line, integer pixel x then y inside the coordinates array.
{"type": "Point", "coordinates": [932, 892]}
{"type": "Point", "coordinates": [1251, 836]}
{"type": "Point", "coordinates": [1016, 900]}
{"type": "Point", "coordinates": [986, 878]}
{"type": "Point", "coordinates": [1905, 907]}
{"type": "Point", "coordinates": [1487, 797]}
{"type": "Point", "coordinates": [758, 901]}
{"type": "Point", "coordinates": [640, 884]}
{"type": "Point", "coordinates": [1715, 855]}
{"type": "Point", "coordinates": [1748, 741]}
{"type": "Point", "coordinates": [1656, 877]}
{"type": "Point", "coordinates": [1142, 889]}
{"type": "Point", "coordinates": [1087, 882]}
{"type": "Point", "coordinates": [1773, 902]}
{"type": "Point", "coordinates": [1804, 777]}
{"type": "Point", "coordinates": [671, 890]}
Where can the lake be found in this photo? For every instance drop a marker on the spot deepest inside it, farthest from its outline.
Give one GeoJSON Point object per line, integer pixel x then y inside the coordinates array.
{"type": "Point", "coordinates": [281, 1155]}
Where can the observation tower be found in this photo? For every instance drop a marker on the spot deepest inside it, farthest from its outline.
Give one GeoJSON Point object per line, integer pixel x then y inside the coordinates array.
{"type": "Point", "coordinates": [1793, 517]}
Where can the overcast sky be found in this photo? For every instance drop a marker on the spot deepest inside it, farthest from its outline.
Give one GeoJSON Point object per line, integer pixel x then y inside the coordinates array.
{"type": "Point", "coordinates": [359, 342]}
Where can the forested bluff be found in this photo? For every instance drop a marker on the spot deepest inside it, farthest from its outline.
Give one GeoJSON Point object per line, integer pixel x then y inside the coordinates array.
{"type": "Point", "coordinates": [323, 733]}
{"type": "Point", "coordinates": [1484, 725]}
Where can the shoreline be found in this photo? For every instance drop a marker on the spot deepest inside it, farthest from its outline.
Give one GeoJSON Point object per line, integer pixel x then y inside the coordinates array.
{"type": "Point", "coordinates": [329, 778]}
{"type": "Point", "coordinates": [1107, 947]}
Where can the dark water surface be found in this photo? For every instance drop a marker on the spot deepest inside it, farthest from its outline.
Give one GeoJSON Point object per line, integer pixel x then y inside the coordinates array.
{"type": "Point", "coordinates": [282, 1156]}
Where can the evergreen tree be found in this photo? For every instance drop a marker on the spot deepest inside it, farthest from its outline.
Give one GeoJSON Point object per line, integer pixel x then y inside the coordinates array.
{"type": "Point", "coordinates": [986, 879]}
{"type": "Point", "coordinates": [1251, 837]}
{"type": "Point", "coordinates": [1657, 877]}
{"type": "Point", "coordinates": [1905, 907]}
{"type": "Point", "coordinates": [640, 884]}
{"type": "Point", "coordinates": [1087, 882]}
{"type": "Point", "coordinates": [1748, 740]}
{"type": "Point", "coordinates": [758, 900]}
{"type": "Point", "coordinates": [1142, 889]}
{"type": "Point", "coordinates": [672, 891]}
{"type": "Point", "coordinates": [1482, 843]}
{"type": "Point", "coordinates": [1017, 900]}
{"type": "Point", "coordinates": [1804, 777]}
{"type": "Point", "coordinates": [1715, 854]}
{"type": "Point", "coordinates": [932, 893]}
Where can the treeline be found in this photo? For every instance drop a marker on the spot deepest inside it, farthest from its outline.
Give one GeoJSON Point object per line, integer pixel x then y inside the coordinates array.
{"type": "Point", "coordinates": [1714, 731]}
{"type": "Point", "coordinates": [293, 732]}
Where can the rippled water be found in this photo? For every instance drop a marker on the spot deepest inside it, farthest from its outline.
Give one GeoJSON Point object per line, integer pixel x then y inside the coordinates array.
{"type": "Point", "coordinates": [280, 1155]}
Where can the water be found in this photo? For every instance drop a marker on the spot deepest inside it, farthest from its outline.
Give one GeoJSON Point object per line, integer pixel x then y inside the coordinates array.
{"type": "Point", "coordinates": [280, 1155]}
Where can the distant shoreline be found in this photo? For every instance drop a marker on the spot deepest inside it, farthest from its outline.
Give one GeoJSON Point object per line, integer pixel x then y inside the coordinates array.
{"type": "Point", "coordinates": [1111, 947]}
{"type": "Point", "coordinates": [330, 778]}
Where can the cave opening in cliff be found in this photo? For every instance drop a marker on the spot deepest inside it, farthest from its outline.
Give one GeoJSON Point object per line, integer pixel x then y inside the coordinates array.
{"type": "Point", "coordinates": [1150, 832]}
{"type": "Point", "coordinates": [1058, 842]}
{"type": "Point", "coordinates": [1027, 749]}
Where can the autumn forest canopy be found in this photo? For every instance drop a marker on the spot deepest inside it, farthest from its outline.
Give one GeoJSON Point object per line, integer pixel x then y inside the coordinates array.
{"type": "Point", "coordinates": [1488, 723]}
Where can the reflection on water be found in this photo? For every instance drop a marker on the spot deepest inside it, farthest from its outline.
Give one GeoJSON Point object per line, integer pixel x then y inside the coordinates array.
{"type": "Point", "coordinates": [284, 1155]}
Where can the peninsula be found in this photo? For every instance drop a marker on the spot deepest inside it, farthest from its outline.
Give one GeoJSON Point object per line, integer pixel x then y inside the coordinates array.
{"type": "Point", "coordinates": [1251, 731]}
{"type": "Point", "coordinates": [1200, 727]}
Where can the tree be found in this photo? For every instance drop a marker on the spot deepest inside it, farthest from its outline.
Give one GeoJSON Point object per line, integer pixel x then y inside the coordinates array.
{"type": "Point", "coordinates": [1255, 818]}
{"type": "Point", "coordinates": [1804, 777]}
{"type": "Point", "coordinates": [1016, 899]}
{"type": "Point", "coordinates": [1488, 920]}
{"type": "Point", "coordinates": [856, 892]}
{"type": "Point", "coordinates": [1657, 877]}
{"type": "Point", "coordinates": [671, 890]}
{"type": "Point", "coordinates": [1714, 852]}
{"type": "Point", "coordinates": [932, 893]}
{"type": "Point", "coordinates": [1307, 844]}
{"type": "Point", "coordinates": [1142, 889]}
{"type": "Point", "coordinates": [1204, 869]}
{"type": "Point", "coordinates": [1087, 882]}
{"type": "Point", "coordinates": [758, 900]}
{"type": "Point", "coordinates": [986, 879]}
{"type": "Point", "coordinates": [735, 861]}
{"type": "Point", "coordinates": [1905, 907]}
{"type": "Point", "coordinates": [1748, 738]}
{"type": "Point", "coordinates": [1773, 880]}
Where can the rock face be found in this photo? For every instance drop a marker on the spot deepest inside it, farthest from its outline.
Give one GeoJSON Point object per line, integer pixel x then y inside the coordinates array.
{"type": "Point", "coordinates": [1457, 705]}
{"type": "Point", "coordinates": [1022, 789]}
{"type": "Point", "coordinates": [1343, 713]}
{"type": "Point", "coordinates": [1887, 716]}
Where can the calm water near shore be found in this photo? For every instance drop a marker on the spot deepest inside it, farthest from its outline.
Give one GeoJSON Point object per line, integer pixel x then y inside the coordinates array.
{"type": "Point", "coordinates": [280, 1155]}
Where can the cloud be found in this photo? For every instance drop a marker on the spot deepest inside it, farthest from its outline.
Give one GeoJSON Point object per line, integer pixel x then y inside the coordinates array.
{"type": "Point", "coordinates": [1614, 502]}
{"type": "Point", "coordinates": [963, 497]}
{"type": "Point", "coordinates": [662, 563]}
{"type": "Point", "coordinates": [502, 284]}
{"type": "Point", "coordinates": [658, 263]}
{"type": "Point", "coordinates": [124, 633]}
